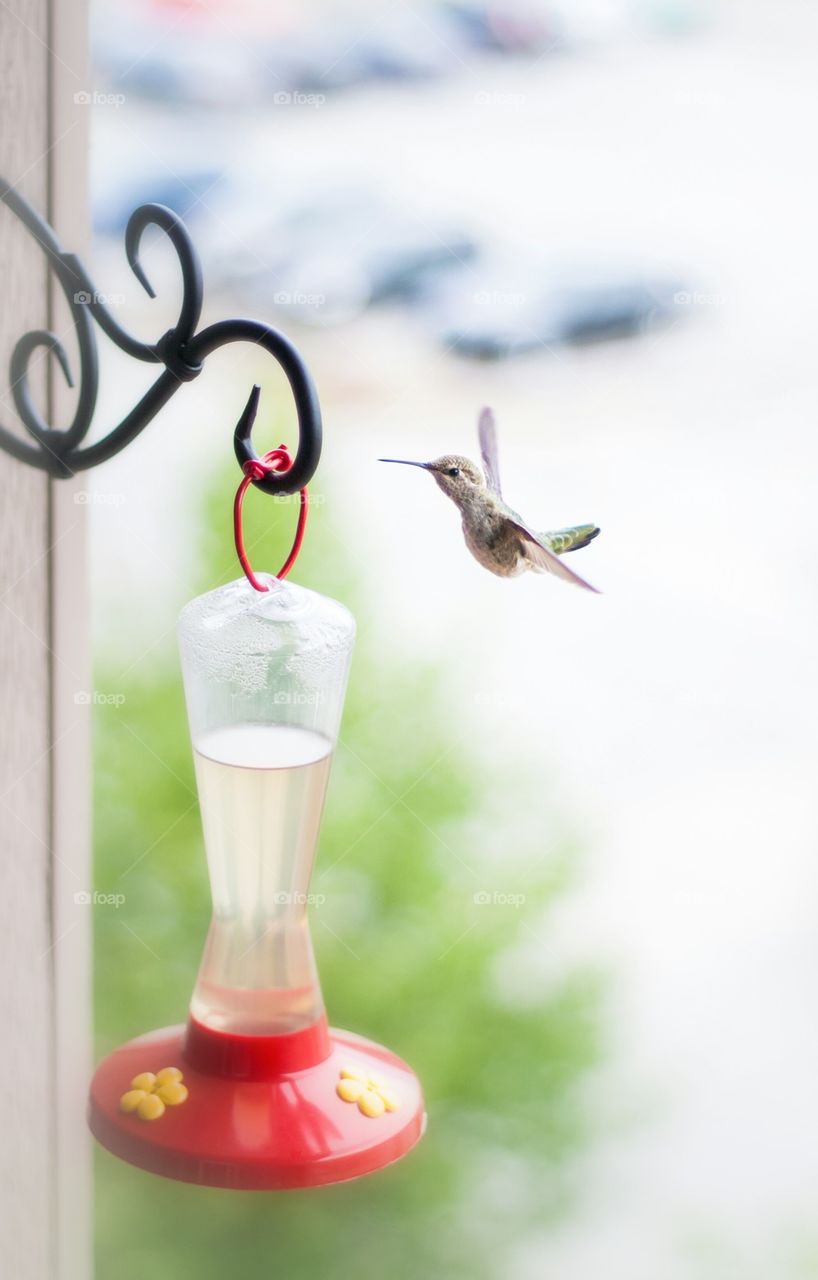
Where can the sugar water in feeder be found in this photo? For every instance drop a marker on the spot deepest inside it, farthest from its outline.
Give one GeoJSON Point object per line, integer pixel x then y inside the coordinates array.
{"type": "Point", "coordinates": [261, 792]}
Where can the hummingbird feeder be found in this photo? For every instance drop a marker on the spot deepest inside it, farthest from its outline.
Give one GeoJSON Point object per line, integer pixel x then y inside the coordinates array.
{"type": "Point", "coordinates": [254, 1090]}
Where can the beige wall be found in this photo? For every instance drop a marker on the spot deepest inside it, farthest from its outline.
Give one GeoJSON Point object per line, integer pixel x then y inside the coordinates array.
{"type": "Point", "coordinates": [44, 797]}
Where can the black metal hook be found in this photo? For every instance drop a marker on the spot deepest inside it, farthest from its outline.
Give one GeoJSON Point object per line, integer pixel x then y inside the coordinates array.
{"type": "Point", "coordinates": [181, 350]}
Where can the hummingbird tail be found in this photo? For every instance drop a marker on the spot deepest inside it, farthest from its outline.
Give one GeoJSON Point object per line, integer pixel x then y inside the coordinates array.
{"type": "Point", "coordinates": [561, 541]}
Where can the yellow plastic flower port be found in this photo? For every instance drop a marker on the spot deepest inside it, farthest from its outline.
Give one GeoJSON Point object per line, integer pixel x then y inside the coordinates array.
{"type": "Point", "coordinates": [149, 1094]}
{"type": "Point", "coordinates": [372, 1094]}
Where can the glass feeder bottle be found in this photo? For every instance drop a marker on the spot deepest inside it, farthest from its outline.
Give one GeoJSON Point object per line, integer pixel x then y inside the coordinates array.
{"type": "Point", "coordinates": [264, 687]}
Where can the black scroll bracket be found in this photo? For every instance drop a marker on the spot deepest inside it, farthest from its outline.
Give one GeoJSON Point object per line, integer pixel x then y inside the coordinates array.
{"type": "Point", "coordinates": [182, 351]}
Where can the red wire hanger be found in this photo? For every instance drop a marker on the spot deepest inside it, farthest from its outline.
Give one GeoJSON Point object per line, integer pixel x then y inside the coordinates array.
{"type": "Point", "coordinates": [277, 460]}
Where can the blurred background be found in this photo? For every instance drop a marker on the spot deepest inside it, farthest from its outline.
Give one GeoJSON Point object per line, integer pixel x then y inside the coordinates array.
{"type": "Point", "coordinates": [568, 861]}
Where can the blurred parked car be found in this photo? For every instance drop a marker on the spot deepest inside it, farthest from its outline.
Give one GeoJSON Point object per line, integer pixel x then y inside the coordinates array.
{"type": "Point", "coordinates": [146, 54]}
{"type": "Point", "coordinates": [397, 45]}
{"type": "Point", "coordinates": [518, 26]}
{"type": "Point", "coordinates": [117, 194]}
{"type": "Point", "coordinates": [501, 308]}
{"type": "Point", "coordinates": [327, 260]}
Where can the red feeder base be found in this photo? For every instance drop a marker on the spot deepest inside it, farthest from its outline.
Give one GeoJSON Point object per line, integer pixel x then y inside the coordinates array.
{"type": "Point", "coordinates": [261, 1112]}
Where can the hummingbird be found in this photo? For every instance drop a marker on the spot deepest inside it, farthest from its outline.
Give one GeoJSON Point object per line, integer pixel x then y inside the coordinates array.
{"type": "Point", "coordinates": [497, 537]}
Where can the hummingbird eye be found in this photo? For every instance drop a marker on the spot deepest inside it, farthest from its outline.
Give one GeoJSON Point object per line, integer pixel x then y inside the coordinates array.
{"type": "Point", "coordinates": [453, 471]}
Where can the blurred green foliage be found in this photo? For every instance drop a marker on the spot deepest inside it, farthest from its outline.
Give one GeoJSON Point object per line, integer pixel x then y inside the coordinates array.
{"type": "Point", "coordinates": [405, 953]}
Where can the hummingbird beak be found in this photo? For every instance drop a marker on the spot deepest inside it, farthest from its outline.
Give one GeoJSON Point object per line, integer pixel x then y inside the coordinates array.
{"type": "Point", "coordinates": [403, 462]}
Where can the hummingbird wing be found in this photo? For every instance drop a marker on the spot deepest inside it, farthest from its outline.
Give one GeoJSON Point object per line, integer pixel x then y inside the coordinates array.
{"type": "Point", "coordinates": [487, 433]}
{"type": "Point", "coordinates": [544, 560]}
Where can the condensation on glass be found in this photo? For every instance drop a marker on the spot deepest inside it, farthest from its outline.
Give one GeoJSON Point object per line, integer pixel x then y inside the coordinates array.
{"type": "Point", "coordinates": [265, 676]}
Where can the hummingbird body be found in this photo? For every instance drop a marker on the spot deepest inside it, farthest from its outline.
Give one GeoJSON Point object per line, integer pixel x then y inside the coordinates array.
{"type": "Point", "coordinates": [489, 528]}
{"type": "Point", "coordinates": [496, 536]}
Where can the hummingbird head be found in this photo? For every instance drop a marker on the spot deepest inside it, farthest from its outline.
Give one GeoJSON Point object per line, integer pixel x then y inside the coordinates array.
{"type": "Point", "coordinates": [458, 477]}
